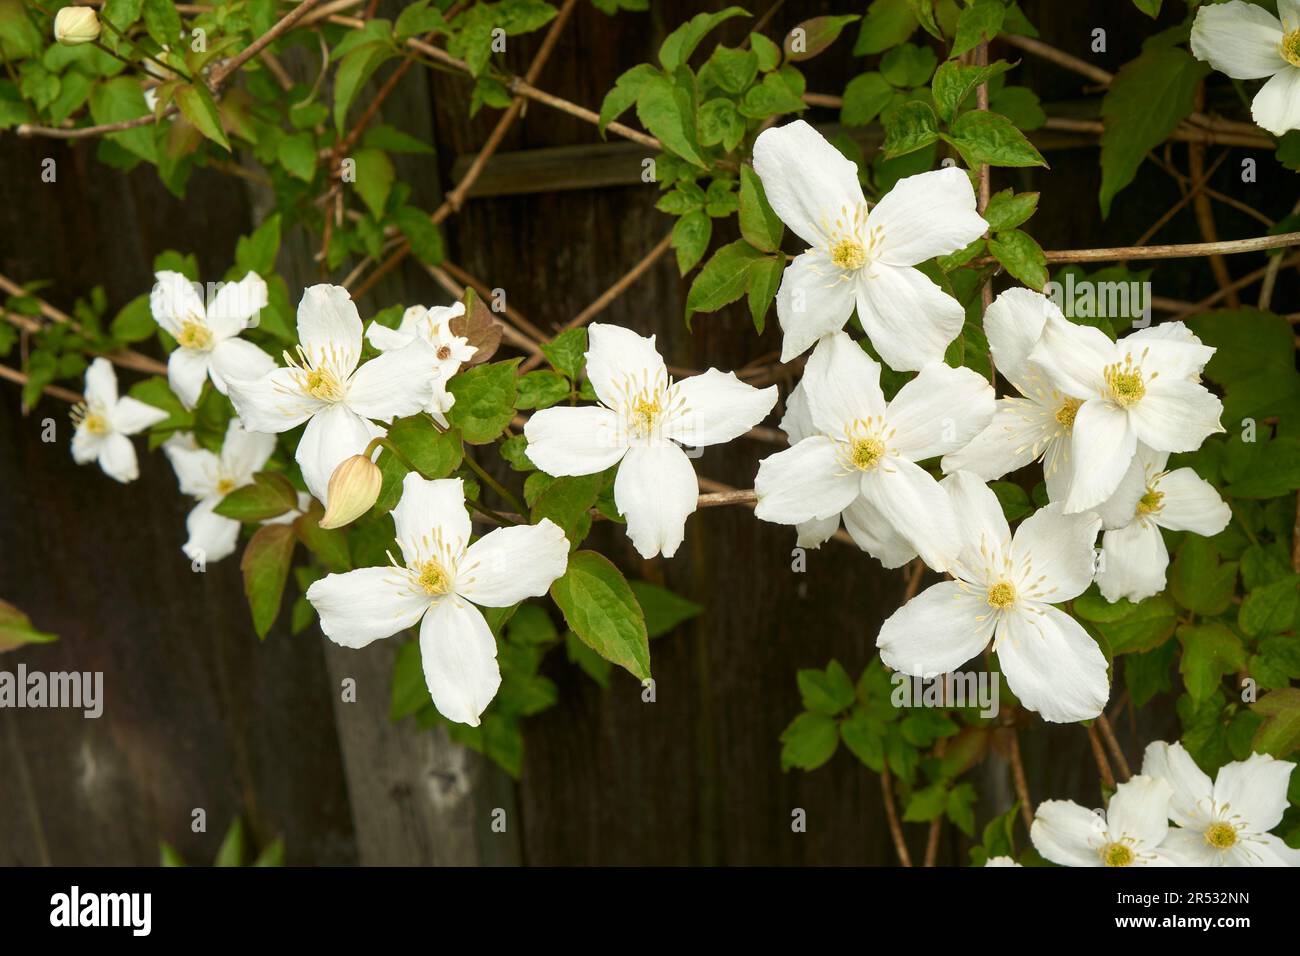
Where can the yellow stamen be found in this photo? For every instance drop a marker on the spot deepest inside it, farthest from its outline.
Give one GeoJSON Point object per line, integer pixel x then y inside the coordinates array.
{"type": "Point", "coordinates": [1065, 414]}
{"type": "Point", "coordinates": [1290, 48]}
{"type": "Point", "coordinates": [1117, 854]}
{"type": "Point", "coordinates": [1125, 383]}
{"type": "Point", "coordinates": [644, 413]}
{"type": "Point", "coordinates": [1150, 503]}
{"type": "Point", "coordinates": [225, 486]}
{"type": "Point", "coordinates": [1002, 595]}
{"type": "Point", "coordinates": [1221, 836]}
{"type": "Point", "coordinates": [194, 335]}
{"type": "Point", "coordinates": [434, 577]}
{"type": "Point", "coordinates": [866, 453]}
{"type": "Point", "coordinates": [848, 254]}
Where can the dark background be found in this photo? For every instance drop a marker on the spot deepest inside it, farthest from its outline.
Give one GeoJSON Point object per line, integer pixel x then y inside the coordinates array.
{"type": "Point", "coordinates": [200, 714]}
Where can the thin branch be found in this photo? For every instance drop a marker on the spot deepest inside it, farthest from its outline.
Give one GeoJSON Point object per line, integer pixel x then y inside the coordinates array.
{"type": "Point", "coordinates": [1112, 744]}
{"type": "Point", "coordinates": [227, 69]}
{"type": "Point", "coordinates": [55, 391]}
{"type": "Point", "coordinates": [1019, 782]}
{"type": "Point", "coordinates": [891, 815]}
{"type": "Point", "coordinates": [1185, 251]}
{"type": "Point", "coordinates": [1099, 755]}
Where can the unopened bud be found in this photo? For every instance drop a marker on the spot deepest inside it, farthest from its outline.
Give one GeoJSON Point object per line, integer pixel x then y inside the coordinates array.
{"type": "Point", "coordinates": [353, 488]}
{"type": "Point", "coordinates": [73, 25]}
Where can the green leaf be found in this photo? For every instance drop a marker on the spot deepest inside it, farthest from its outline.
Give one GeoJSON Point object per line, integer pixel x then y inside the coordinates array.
{"type": "Point", "coordinates": [769, 54]}
{"type": "Point", "coordinates": [1013, 499]}
{"type": "Point", "coordinates": [421, 233]}
{"type": "Point", "coordinates": [826, 692]}
{"type": "Point", "coordinates": [1127, 627]}
{"type": "Point", "coordinates": [908, 66]}
{"type": "Point", "coordinates": [926, 804]}
{"type": "Point", "coordinates": [666, 107]}
{"type": "Point", "coordinates": [568, 502]}
{"type": "Point", "coordinates": [865, 96]}
{"type": "Point", "coordinates": [761, 227]}
{"type": "Point", "coordinates": [865, 738]}
{"type": "Point", "coordinates": [1197, 579]}
{"type": "Point", "coordinates": [809, 741]}
{"type": "Point", "coordinates": [1007, 209]}
{"type": "Point", "coordinates": [16, 629]}
{"type": "Point", "coordinates": [772, 97]}
{"type": "Point", "coordinates": [198, 107]}
{"type": "Point", "coordinates": [135, 322]}
{"type": "Point", "coordinates": [625, 92]}
{"type": "Point", "coordinates": [764, 280]}
{"type": "Point", "coordinates": [231, 851]}
{"type": "Point", "coordinates": [1022, 257]}
{"type": "Point", "coordinates": [954, 82]}
{"type": "Point", "coordinates": [374, 179]}
{"type": "Point", "coordinates": [961, 807]}
{"type": "Point", "coordinates": [257, 251]}
{"type": "Point", "coordinates": [691, 235]}
{"type": "Point", "coordinates": [681, 43]}
{"type": "Point", "coordinates": [1150, 7]}
{"type": "Point", "coordinates": [663, 609]}
{"type": "Point", "coordinates": [162, 21]}
{"type": "Point", "coordinates": [265, 566]}
{"type": "Point", "coordinates": [723, 280]}
{"type": "Point", "coordinates": [297, 154]}
{"type": "Point", "coordinates": [329, 545]}
{"type": "Point", "coordinates": [567, 352]}
{"type": "Point", "coordinates": [602, 610]}
{"type": "Point", "coordinates": [409, 693]}
{"type": "Point", "coordinates": [732, 69]}
{"type": "Point", "coordinates": [1209, 652]}
{"type": "Point", "coordinates": [269, 496]}
{"type": "Point", "coordinates": [118, 100]}
{"type": "Point", "coordinates": [1279, 734]}
{"type": "Point", "coordinates": [542, 389]}
{"type": "Point", "coordinates": [485, 400]}
{"type": "Point", "coordinates": [721, 123]}
{"type": "Point", "coordinates": [812, 36]}
{"type": "Point", "coordinates": [985, 137]}
{"type": "Point", "coordinates": [356, 68]}
{"type": "Point", "coordinates": [910, 127]}
{"type": "Point", "coordinates": [1270, 608]}
{"type": "Point", "coordinates": [887, 24]}
{"type": "Point", "coordinates": [978, 23]}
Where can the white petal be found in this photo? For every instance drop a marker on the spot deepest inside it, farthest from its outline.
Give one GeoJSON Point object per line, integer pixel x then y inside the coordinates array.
{"type": "Point", "coordinates": [910, 320]}
{"type": "Point", "coordinates": [926, 215]}
{"type": "Point", "coordinates": [273, 403]}
{"type": "Point", "coordinates": [1239, 39]}
{"type": "Point", "coordinates": [1059, 548]}
{"type": "Point", "coordinates": [1052, 664]}
{"type": "Point", "coordinates": [805, 483]}
{"type": "Point", "coordinates": [617, 357]}
{"type": "Point", "coordinates": [876, 536]}
{"type": "Point", "coordinates": [429, 512]}
{"type": "Point", "coordinates": [982, 526]}
{"type": "Point", "coordinates": [937, 631]}
{"type": "Point", "coordinates": [383, 338]}
{"type": "Point", "coordinates": [174, 300]}
{"type": "Point", "coordinates": [1014, 323]}
{"type": "Point", "coordinates": [565, 441]}
{"type": "Point", "coordinates": [1139, 810]}
{"type": "Point", "coordinates": [815, 533]}
{"type": "Point", "coordinates": [1193, 790]}
{"type": "Point", "coordinates": [814, 300]}
{"type": "Point", "coordinates": [244, 453]}
{"type": "Point", "coordinates": [509, 564]}
{"type": "Point", "coordinates": [797, 421]}
{"type": "Point", "coordinates": [331, 436]}
{"type": "Point", "coordinates": [130, 415]}
{"type": "Point", "coordinates": [459, 655]}
{"type": "Point", "coordinates": [656, 489]}
{"type": "Point", "coordinates": [1269, 850]}
{"type": "Point", "coordinates": [187, 370]}
{"type": "Point", "coordinates": [939, 411]}
{"type": "Point", "coordinates": [842, 385]}
{"type": "Point", "coordinates": [394, 384]}
{"type": "Point", "coordinates": [101, 384]}
{"type": "Point", "coordinates": [1288, 12]}
{"type": "Point", "coordinates": [1170, 348]}
{"type": "Point", "coordinates": [1176, 415]}
{"type": "Point", "coordinates": [329, 328]}
{"type": "Point", "coordinates": [362, 606]}
{"type": "Point", "coordinates": [908, 497]}
{"type": "Point", "coordinates": [1191, 504]}
{"type": "Point", "coordinates": [197, 470]}
{"type": "Point", "coordinates": [1068, 834]}
{"type": "Point", "coordinates": [117, 458]}
{"type": "Point", "coordinates": [808, 181]}
{"type": "Point", "coordinates": [1101, 448]}
{"type": "Point", "coordinates": [1255, 790]}
{"type": "Point", "coordinates": [234, 304]}
{"type": "Point", "coordinates": [237, 358]}
{"type": "Point", "coordinates": [86, 446]}
{"type": "Point", "coordinates": [1017, 434]}
{"type": "Point", "coordinates": [1118, 510]}
{"type": "Point", "coordinates": [1133, 562]}
{"type": "Point", "coordinates": [718, 408]}
{"type": "Point", "coordinates": [211, 536]}
{"type": "Point", "coordinates": [1074, 357]}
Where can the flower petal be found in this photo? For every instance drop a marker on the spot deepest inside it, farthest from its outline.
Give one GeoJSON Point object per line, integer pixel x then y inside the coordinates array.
{"type": "Point", "coordinates": [815, 533]}
{"type": "Point", "coordinates": [982, 529]}
{"type": "Point", "coordinates": [808, 181]}
{"type": "Point", "coordinates": [431, 511]}
{"type": "Point", "coordinates": [797, 421]}
{"type": "Point", "coordinates": [211, 536]}
{"type": "Point", "coordinates": [1133, 562]}
{"type": "Point", "coordinates": [273, 403]}
{"type": "Point", "coordinates": [564, 441]}
{"type": "Point", "coordinates": [718, 408]}
{"type": "Point", "coordinates": [656, 490]}
{"type": "Point", "coordinates": [459, 655]}
{"type": "Point", "coordinates": [329, 328]}
{"type": "Point", "coordinates": [364, 605]}
{"type": "Point", "coordinates": [937, 631]}
{"type": "Point", "coordinates": [1139, 810]}
{"type": "Point", "coordinates": [1170, 348]}
{"type": "Point", "coordinates": [1102, 447]}
{"type": "Point", "coordinates": [174, 300]}
{"type": "Point", "coordinates": [117, 458]}
{"type": "Point", "coordinates": [237, 358]}
{"type": "Point", "coordinates": [101, 384]}
{"type": "Point", "coordinates": [1119, 509]}
{"type": "Point", "coordinates": [383, 338]}
{"type": "Point", "coordinates": [1176, 415]}
{"type": "Point", "coordinates": [1239, 39]}
{"type": "Point", "coordinates": [939, 411]}
{"type": "Point", "coordinates": [332, 435]}
{"type": "Point", "coordinates": [926, 215]}
{"type": "Point", "coordinates": [1052, 664]}
{"type": "Point", "coordinates": [235, 304]}
{"type": "Point", "coordinates": [1255, 790]}
{"type": "Point", "coordinates": [876, 536]}
{"type": "Point", "coordinates": [1068, 834]}
{"type": "Point", "coordinates": [187, 370]}
{"type": "Point", "coordinates": [197, 469]}
{"type": "Point", "coordinates": [1191, 504]}
{"type": "Point", "coordinates": [86, 446]}
{"type": "Point", "coordinates": [130, 415]}
{"type": "Point", "coordinates": [1193, 791]}
{"type": "Point", "coordinates": [1057, 548]}
{"type": "Point", "coordinates": [842, 385]}
{"type": "Point", "coordinates": [394, 383]}
{"type": "Point", "coordinates": [910, 320]}
{"type": "Point", "coordinates": [1017, 434]}
{"type": "Point", "coordinates": [617, 357]}
{"type": "Point", "coordinates": [244, 453]}
{"type": "Point", "coordinates": [1014, 323]}
{"type": "Point", "coordinates": [813, 301]}
{"type": "Point", "coordinates": [908, 497]}
{"type": "Point", "coordinates": [805, 483]}
{"type": "Point", "coordinates": [1267, 850]}
{"type": "Point", "coordinates": [1074, 357]}
{"type": "Point", "coordinates": [509, 564]}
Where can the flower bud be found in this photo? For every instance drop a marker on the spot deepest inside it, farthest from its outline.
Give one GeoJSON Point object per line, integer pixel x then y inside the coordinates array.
{"type": "Point", "coordinates": [353, 488]}
{"type": "Point", "coordinates": [73, 25]}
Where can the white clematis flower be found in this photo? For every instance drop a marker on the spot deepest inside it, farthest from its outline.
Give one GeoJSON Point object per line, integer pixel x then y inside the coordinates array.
{"type": "Point", "coordinates": [864, 257]}
{"type": "Point", "coordinates": [1134, 558]}
{"type": "Point", "coordinates": [643, 417]}
{"type": "Point", "coordinates": [1130, 833]}
{"type": "Point", "coordinates": [1247, 42]}
{"type": "Point", "coordinates": [207, 339]}
{"type": "Point", "coordinates": [324, 387]}
{"type": "Point", "coordinates": [209, 478]}
{"type": "Point", "coordinates": [1000, 861]}
{"type": "Point", "coordinates": [1224, 822]}
{"type": "Point", "coordinates": [103, 422]}
{"type": "Point", "coordinates": [856, 456]}
{"type": "Point", "coordinates": [1145, 387]}
{"type": "Point", "coordinates": [1004, 590]}
{"type": "Point", "coordinates": [443, 578]}
{"type": "Point", "coordinates": [450, 351]}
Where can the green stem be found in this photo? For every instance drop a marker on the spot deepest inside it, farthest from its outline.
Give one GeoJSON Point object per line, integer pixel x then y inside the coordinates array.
{"type": "Point", "coordinates": [495, 485]}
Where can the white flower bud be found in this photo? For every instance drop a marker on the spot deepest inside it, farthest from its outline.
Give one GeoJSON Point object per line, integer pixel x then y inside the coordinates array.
{"type": "Point", "coordinates": [73, 25]}
{"type": "Point", "coordinates": [353, 488]}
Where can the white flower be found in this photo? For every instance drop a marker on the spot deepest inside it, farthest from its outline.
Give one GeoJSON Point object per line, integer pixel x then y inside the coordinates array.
{"type": "Point", "coordinates": [208, 342]}
{"type": "Point", "coordinates": [860, 257]}
{"type": "Point", "coordinates": [441, 582]}
{"type": "Point", "coordinates": [1036, 426]}
{"type": "Point", "coordinates": [642, 417]}
{"type": "Point", "coordinates": [103, 421]}
{"type": "Point", "coordinates": [1247, 42]}
{"type": "Point", "coordinates": [1004, 589]}
{"type": "Point", "coordinates": [434, 327]}
{"type": "Point", "coordinates": [1149, 498]}
{"type": "Point", "coordinates": [1145, 387]}
{"type": "Point", "coordinates": [209, 478]}
{"type": "Point", "coordinates": [324, 387]}
{"type": "Point", "coordinates": [856, 456]}
{"type": "Point", "coordinates": [1000, 861]}
{"type": "Point", "coordinates": [1224, 823]}
{"type": "Point", "coordinates": [1129, 834]}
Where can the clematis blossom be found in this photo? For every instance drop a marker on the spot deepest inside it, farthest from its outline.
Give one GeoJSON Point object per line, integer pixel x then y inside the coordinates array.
{"type": "Point", "coordinates": [441, 579]}
{"type": "Point", "coordinates": [1247, 42]}
{"type": "Point", "coordinates": [854, 456]}
{"type": "Point", "coordinates": [104, 421]}
{"type": "Point", "coordinates": [1005, 589]}
{"type": "Point", "coordinates": [1224, 822]}
{"type": "Point", "coordinates": [207, 338]}
{"type": "Point", "coordinates": [1133, 554]}
{"type": "Point", "coordinates": [434, 327]}
{"type": "Point", "coordinates": [864, 257]}
{"type": "Point", "coordinates": [326, 386]}
{"type": "Point", "coordinates": [1130, 834]}
{"type": "Point", "coordinates": [642, 418]}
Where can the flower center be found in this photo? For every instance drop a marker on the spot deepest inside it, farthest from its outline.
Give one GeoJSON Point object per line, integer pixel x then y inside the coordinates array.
{"type": "Point", "coordinates": [848, 254]}
{"type": "Point", "coordinates": [324, 384]}
{"type": "Point", "coordinates": [644, 413]}
{"type": "Point", "coordinates": [194, 335]}
{"type": "Point", "coordinates": [444, 352]}
{"type": "Point", "coordinates": [94, 423]}
{"type": "Point", "coordinates": [1150, 503]}
{"type": "Point", "coordinates": [434, 577]}
{"type": "Point", "coordinates": [1117, 854]}
{"type": "Point", "coordinates": [866, 453]}
{"type": "Point", "coordinates": [1221, 836]}
{"type": "Point", "coordinates": [225, 486]}
{"type": "Point", "coordinates": [1125, 383]}
{"type": "Point", "coordinates": [1290, 48]}
{"type": "Point", "coordinates": [1065, 414]}
{"type": "Point", "coordinates": [1002, 595]}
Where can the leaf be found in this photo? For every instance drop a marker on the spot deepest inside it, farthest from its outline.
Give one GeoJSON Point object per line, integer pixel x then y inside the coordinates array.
{"type": "Point", "coordinates": [865, 96]}
{"type": "Point", "coordinates": [297, 154]}
{"type": "Point", "coordinates": [666, 107]}
{"type": "Point", "coordinates": [985, 137]}
{"type": "Point", "coordinates": [910, 127]}
{"type": "Point", "coordinates": [424, 237]}
{"type": "Point", "coordinates": [1209, 652]}
{"type": "Point", "coordinates": [691, 235]}
{"type": "Point", "coordinates": [162, 21]}
{"type": "Point", "coordinates": [567, 352]}
{"type": "Point", "coordinates": [625, 92]}
{"type": "Point", "coordinates": [374, 179]}
{"type": "Point", "coordinates": [1279, 734]}
{"type": "Point", "coordinates": [541, 389]}
{"type": "Point", "coordinates": [1127, 627]}
{"type": "Point", "coordinates": [485, 400]}
{"type": "Point", "coordinates": [761, 227]}
{"type": "Point", "coordinates": [863, 737]}
{"type": "Point", "coordinates": [602, 610]}
{"type": "Point", "coordinates": [231, 851]}
{"type": "Point", "coordinates": [1007, 209]}
{"type": "Point", "coordinates": [978, 23]}
{"type": "Point", "coordinates": [826, 692]}
{"type": "Point", "coordinates": [269, 496]}
{"type": "Point", "coordinates": [1270, 608]}
{"type": "Point", "coordinates": [812, 36]}
{"type": "Point", "coordinates": [954, 82]}
{"type": "Point", "coordinates": [16, 629]}
{"type": "Point", "coordinates": [723, 279]}
{"type": "Point", "coordinates": [772, 97]}
{"type": "Point", "coordinates": [1197, 579]}
{"type": "Point", "coordinates": [886, 24]}
{"type": "Point", "coordinates": [1013, 499]}
{"type": "Point", "coordinates": [1150, 7]}
{"type": "Point", "coordinates": [197, 106]}
{"type": "Point", "coordinates": [118, 100]}
{"type": "Point", "coordinates": [265, 566]}
{"type": "Point", "coordinates": [355, 69]}
{"type": "Point", "coordinates": [1022, 257]}
{"type": "Point", "coordinates": [762, 284]}
{"type": "Point", "coordinates": [257, 251]}
{"type": "Point", "coordinates": [809, 741]}
{"type": "Point", "coordinates": [732, 69]}
{"type": "Point", "coordinates": [926, 804]}
{"type": "Point", "coordinates": [1145, 102]}
{"type": "Point", "coordinates": [681, 43]}
{"type": "Point", "coordinates": [135, 322]}
{"type": "Point", "coordinates": [568, 502]}
{"type": "Point", "coordinates": [663, 609]}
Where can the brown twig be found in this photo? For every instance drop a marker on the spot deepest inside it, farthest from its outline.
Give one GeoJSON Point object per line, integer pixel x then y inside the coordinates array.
{"type": "Point", "coordinates": [1099, 755]}
{"type": "Point", "coordinates": [891, 815]}
{"type": "Point", "coordinates": [1112, 744]}
{"type": "Point", "coordinates": [1018, 780]}
{"type": "Point", "coordinates": [1184, 251]}
{"type": "Point", "coordinates": [55, 391]}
